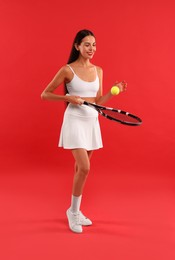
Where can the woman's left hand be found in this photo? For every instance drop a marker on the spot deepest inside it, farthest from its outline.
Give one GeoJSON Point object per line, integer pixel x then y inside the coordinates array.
{"type": "Point", "coordinates": [122, 85]}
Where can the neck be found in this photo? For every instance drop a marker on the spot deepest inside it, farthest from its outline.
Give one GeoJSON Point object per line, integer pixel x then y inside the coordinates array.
{"type": "Point", "coordinates": [83, 62]}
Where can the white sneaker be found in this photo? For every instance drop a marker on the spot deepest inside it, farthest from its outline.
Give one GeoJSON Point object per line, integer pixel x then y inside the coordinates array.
{"type": "Point", "coordinates": [84, 220]}
{"type": "Point", "coordinates": [74, 221]}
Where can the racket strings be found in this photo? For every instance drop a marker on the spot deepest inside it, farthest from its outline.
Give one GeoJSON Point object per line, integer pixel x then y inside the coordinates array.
{"type": "Point", "coordinates": [122, 116]}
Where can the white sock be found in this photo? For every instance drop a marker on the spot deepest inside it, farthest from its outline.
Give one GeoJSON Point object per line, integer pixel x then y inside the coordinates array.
{"type": "Point", "coordinates": [75, 203]}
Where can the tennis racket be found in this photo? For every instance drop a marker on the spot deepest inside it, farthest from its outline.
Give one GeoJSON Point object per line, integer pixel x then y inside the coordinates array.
{"type": "Point", "coordinates": [117, 115]}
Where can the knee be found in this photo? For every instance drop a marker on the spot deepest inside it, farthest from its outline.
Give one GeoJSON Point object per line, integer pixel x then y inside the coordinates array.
{"type": "Point", "coordinates": [84, 170]}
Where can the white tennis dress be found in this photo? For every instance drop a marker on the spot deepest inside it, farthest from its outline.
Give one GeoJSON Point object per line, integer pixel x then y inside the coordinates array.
{"type": "Point", "coordinates": [80, 128]}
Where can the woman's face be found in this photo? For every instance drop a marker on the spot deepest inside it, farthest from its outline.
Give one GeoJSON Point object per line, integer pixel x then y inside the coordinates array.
{"type": "Point", "coordinates": [87, 47]}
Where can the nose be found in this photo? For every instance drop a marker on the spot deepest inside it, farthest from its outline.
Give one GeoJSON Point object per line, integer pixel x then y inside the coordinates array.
{"type": "Point", "coordinates": [92, 48]}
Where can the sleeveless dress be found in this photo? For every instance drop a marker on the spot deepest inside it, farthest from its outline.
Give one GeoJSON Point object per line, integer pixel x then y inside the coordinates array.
{"type": "Point", "coordinates": [80, 127]}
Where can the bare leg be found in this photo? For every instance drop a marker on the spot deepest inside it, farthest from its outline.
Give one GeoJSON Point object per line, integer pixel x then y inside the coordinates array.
{"type": "Point", "coordinates": [82, 167]}
{"type": "Point", "coordinates": [89, 155]}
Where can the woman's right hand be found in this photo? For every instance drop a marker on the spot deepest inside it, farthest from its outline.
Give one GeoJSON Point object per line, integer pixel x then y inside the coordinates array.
{"type": "Point", "coordinates": [75, 100]}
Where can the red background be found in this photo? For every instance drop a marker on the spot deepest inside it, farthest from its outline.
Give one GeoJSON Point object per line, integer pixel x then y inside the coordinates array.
{"type": "Point", "coordinates": [135, 42]}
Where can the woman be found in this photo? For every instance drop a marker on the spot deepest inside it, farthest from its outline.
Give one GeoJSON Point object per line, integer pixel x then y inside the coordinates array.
{"type": "Point", "coordinates": [80, 130]}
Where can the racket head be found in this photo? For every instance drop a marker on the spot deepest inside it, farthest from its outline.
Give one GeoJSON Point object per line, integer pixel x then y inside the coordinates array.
{"type": "Point", "coordinates": [121, 116]}
{"type": "Point", "coordinates": [117, 115]}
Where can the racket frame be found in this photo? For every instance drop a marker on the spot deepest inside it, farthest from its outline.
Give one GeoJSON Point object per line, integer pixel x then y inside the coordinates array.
{"type": "Point", "coordinates": [101, 111]}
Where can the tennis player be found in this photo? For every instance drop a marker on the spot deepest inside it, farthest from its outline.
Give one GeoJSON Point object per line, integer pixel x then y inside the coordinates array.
{"type": "Point", "coordinates": [80, 130]}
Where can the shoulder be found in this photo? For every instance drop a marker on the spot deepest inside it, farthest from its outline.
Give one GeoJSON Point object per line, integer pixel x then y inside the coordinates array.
{"type": "Point", "coordinates": [99, 71]}
{"type": "Point", "coordinates": [64, 71]}
{"type": "Point", "coordinates": [67, 72]}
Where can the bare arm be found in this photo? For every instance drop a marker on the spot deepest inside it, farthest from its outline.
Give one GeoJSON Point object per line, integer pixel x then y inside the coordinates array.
{"type": "Point", "coordinates": [48, 93]}
{"type": "Point", "coordinates": [61, 77]}
{"type": "Point", "coordinates": [100, 98]}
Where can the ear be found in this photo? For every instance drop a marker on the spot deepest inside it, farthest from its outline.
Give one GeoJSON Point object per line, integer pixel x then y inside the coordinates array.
{"type": "Point", "coordinates": [76, 46]}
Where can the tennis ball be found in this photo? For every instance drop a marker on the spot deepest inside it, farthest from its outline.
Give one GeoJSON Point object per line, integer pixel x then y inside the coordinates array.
{"type": "Point", "coordinates": [115, 90]}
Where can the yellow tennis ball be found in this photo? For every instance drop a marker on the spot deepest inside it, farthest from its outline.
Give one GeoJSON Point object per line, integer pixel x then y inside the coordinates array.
{"type": "Point", "coordinates": [115, 90]}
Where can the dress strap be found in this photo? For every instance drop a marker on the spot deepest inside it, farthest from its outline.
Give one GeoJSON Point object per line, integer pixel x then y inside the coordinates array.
{"type": "Point", "coordinates": [71, 68]}
{"type": "Point", "coordinates": [96, 70]}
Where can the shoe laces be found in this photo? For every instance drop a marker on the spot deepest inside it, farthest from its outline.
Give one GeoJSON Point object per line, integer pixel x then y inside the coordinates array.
{"type": "Point", "coordinates": [81, 215]}
{"type": "Point", "coordinates": [76, 217]}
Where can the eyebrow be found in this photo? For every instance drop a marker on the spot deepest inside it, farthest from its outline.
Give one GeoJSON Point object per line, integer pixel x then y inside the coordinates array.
{"type": "Point", "coordinates": [89, 42]}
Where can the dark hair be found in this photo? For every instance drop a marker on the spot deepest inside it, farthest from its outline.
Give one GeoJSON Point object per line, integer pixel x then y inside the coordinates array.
{"type": "Point", "coordinates": [78, 39]}
{"type": "Point", "coordinates": [74, 54]}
